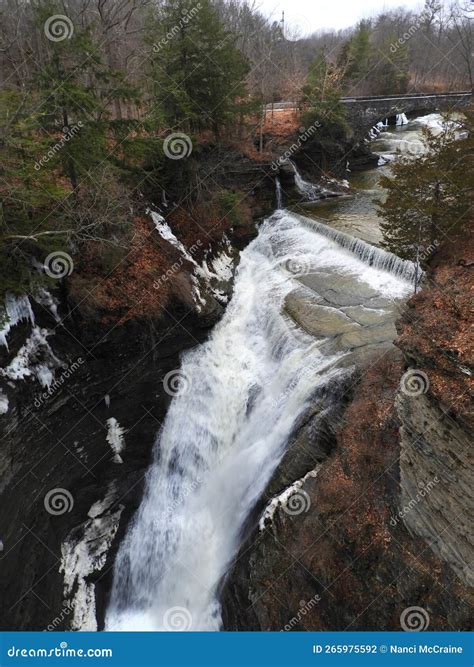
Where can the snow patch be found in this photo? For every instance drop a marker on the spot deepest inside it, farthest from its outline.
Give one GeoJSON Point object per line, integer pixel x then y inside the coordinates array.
{"type": "Point", "coordinates": [16, 309]}
{"type": "Point", "coordinates": [3, 403]}
{"type": "Point", "coordinates": [115, 438]}
{"type": "Point", "coordinates": [84, 553]}
{"type": "Point", "coordinates": [46, 299]}
{"type": "Point", "coordinates": [385, 158]}
{"type": "Point", "coordinates": [165, 232]}
{"type": "Point", "coordinates": [34, 359]}
{"type": "Point", "coordinates": [401, 119]}
{"type": "Point", "coordinates": [282, 498]}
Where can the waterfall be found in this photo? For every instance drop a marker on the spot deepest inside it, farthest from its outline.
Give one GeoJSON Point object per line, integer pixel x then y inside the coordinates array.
{"type": "Point", "coordinates": [367, 253]}
{"type": "Point", "coordinates": [279, 196]}
{"type": "Point", "coordinates": [309, 190]}
{"type": "Point", "coordinates": [401, 119]}
{"type": "Point", "coordinates": [240, 395]}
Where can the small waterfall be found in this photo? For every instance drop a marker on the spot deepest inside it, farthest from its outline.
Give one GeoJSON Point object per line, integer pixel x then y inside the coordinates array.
{"type": "Point", "coordinates": [309, 190]}
{"type": "Point", "coordinates": [369, 254]}
{"type": "Point", "coordinates": [241, 393]}
{"type": "Point", "coordinates": [401, 119]}
{"type": "Point", "coordinates": [279, 196]}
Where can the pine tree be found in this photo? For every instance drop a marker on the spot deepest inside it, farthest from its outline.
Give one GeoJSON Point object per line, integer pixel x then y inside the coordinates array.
{"type": "Point", "coordinates": [76, 93]}
{"type": "Point", "coordinates": [359, 53]}
{"type": "Point", "coordinates": [198, 71]}
{"type": "Point", "coordinates": [430, 196]}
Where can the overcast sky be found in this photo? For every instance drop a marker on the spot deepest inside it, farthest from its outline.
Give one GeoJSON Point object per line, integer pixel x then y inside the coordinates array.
{"type": "Point", "coordinates": [312, 15]}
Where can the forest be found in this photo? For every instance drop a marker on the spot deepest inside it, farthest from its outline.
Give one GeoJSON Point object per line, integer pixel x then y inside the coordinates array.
{"type": "Point", "coordinates": [90, 89]}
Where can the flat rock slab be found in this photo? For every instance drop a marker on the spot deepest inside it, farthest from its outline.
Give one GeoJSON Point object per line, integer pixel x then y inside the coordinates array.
{"type": "Point", "coordinates": [317, 320]}
{"type": "Point", "coordinates": [349, 315]}
{"type": "Point", "coordinates": [339, 290]}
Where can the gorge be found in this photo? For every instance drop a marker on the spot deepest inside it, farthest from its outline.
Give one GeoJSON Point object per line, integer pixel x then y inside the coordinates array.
{"type": "Point", "coordinates": [239, 409]}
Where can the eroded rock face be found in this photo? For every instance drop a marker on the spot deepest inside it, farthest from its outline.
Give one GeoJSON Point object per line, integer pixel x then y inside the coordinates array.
{"type": "Point", "coordinates": [345, 560]}
{"type": "Point", "coordinates": [437, 496]}
{"type": "Point", "coordinates": [435, 409]}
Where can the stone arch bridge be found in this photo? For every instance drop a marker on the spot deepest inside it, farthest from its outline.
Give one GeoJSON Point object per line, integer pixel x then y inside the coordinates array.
{"type": "Point", "coordinates": [364, 112]}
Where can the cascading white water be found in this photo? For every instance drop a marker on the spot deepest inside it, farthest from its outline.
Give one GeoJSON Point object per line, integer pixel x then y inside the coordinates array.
{"type": "Point", "coordinates": [309, 190]}
{"type": "Point", "coordinates": [279, 196]}
{"type": "Point", "coordinates": [225, 434]}
{"type": "Point", "coordinates": [366, 252]}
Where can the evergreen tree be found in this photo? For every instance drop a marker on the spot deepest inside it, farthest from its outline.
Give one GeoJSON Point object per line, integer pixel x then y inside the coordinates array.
{"type": "Point", "coordinates": [432, 195]}
{"type": "Point", "coordinates": [77, 92]}
{"type": "Point", "coordinates": [359, 53]}
{"type": "Point", "coordinates": [198, 71]}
